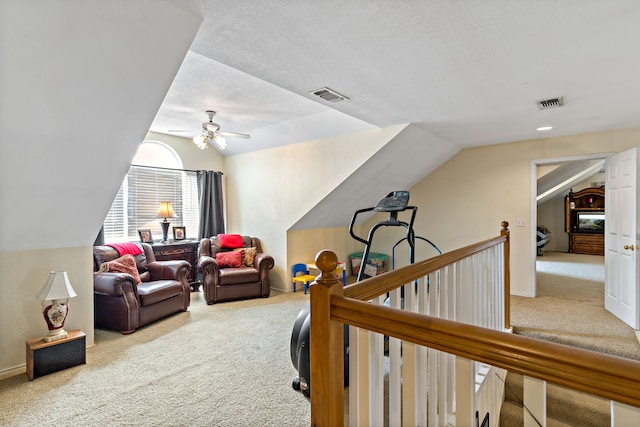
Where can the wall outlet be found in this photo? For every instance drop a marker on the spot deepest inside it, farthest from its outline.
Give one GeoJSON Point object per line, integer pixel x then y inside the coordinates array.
{"type": "Point", "coordinates": [520, 222]}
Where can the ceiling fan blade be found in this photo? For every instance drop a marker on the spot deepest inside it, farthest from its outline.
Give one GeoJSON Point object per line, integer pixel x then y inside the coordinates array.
{"type": "Point", "coordinates": [181, 130]}
{"type": "Point", "coordinates": [233, 134]}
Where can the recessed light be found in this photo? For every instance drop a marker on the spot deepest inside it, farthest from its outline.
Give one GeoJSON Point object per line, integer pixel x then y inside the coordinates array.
{"type": "Point", "coordinates": [544, 128]}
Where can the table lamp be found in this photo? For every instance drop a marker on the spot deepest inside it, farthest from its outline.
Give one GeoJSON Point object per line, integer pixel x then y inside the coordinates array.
{"type": "Point", "coordinates": [57, 290]}
{"type": "Point", "coordinates": [165, 211]}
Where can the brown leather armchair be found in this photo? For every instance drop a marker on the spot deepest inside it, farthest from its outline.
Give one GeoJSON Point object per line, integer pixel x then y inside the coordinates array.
{"type": "Point", "coordinates": [122, 304]}
{"type": "Point", "coordinates": [233, 283]}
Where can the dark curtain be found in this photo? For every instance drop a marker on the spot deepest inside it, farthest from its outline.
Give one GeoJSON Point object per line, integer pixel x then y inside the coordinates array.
{"type": "Point", "coordinates": [210, 203]}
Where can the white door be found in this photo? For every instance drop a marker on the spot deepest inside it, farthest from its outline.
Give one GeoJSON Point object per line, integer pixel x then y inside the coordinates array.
{"type": "Point", "coordinates": [621, 281]}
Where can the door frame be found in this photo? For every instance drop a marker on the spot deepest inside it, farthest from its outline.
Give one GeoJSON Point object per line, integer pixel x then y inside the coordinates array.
{"type": "Point", "coordinates": [533, 206]}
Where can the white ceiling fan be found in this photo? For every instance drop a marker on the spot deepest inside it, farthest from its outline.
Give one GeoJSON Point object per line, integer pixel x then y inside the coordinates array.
{"type": "Point", "coordinates": [211, 134]}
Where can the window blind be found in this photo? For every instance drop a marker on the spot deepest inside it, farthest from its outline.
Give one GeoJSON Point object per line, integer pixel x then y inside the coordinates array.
{"type": "Point", "coordinates": [138, 199]}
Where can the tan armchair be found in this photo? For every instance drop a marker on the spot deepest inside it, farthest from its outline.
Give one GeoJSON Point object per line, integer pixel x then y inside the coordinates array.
{"type": "Point", "coordinates": [221, 283]}
{"type": "Point", "coordinates": [122, 304]}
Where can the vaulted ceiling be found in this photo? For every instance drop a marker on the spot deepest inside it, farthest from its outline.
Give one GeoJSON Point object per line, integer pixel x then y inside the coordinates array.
{"type": "Point", "coordinates": [82, 82]}
{"type": "Point", "coordinates": [470, 73]}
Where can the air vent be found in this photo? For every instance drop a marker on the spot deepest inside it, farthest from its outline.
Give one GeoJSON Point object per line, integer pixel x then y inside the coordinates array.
{"type": "Point", "coordinates": [551, 103]}
{"type": "Point", "coordinates": [328, 94]}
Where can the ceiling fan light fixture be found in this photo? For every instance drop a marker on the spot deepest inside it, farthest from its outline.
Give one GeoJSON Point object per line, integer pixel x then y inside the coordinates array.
{"type": "Point", "coordinates": [210, 133]}
{"type": "Point", "coordinates": [221, 142]}
{"type": "Point", "coordinates": [200, 141]}
{"type": "Point", "coordinates": [211, 127]}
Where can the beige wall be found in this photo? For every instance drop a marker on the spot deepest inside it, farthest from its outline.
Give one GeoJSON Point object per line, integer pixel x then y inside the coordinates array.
{"type": "Point", "coordinates": [461, 202]}
{"type": "Point", "coordinates": [23, 275]}
{"type": "Point", "coordinates": [551, 215]}
{"type": "Point", "coordinates": [269, 190]}
{"type": "Point", "coordinates": [465, 199]}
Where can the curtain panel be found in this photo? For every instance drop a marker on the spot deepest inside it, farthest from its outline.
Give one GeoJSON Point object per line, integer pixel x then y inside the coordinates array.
{"type": "Point", "coordinates": [210, 204]}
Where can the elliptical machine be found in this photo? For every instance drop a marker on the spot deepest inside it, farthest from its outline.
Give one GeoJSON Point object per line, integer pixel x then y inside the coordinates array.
{"type": "Point", "coordinates": [301, 356]}
{"type": "Point", "coordinates": [394, 203]}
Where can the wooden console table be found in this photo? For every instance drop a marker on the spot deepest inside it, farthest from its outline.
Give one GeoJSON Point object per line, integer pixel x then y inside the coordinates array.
{"type": "Point", "coordinates": [47, 357]}
{"type": "Point", "coordinates": [181, 250]}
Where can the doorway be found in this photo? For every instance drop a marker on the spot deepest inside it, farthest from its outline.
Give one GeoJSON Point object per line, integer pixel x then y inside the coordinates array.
{"type": "Point", "coordinates": [559, 175]}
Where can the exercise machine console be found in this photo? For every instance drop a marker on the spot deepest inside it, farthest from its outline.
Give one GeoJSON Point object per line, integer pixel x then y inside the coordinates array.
{"type": "Point", "coordinates": [394, 202]}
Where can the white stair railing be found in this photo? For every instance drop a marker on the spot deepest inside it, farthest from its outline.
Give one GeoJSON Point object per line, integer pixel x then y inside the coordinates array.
{"type": "Point", "coordinates": [406, 384]}
{"type": "Point", "coordinates": [447, 354]}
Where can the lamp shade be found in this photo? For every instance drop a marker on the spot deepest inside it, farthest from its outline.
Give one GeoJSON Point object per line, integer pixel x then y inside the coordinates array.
{"type": "Point", "coordinates": [166, 210]}
{"type": "Point", "coordinates": [56, 287]}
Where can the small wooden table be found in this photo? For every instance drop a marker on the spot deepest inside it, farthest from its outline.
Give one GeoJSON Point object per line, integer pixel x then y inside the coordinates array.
{"type": "Point", "coordinates": [47, 357]}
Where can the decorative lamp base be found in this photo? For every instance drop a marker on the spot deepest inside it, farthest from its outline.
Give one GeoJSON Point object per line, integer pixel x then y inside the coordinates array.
{"type": "Point", "coordinates": [55, 335]}
{"type": "Point", "coordinates": [165, 231]}
{"type": "Point", "coordinates": [55, 315]}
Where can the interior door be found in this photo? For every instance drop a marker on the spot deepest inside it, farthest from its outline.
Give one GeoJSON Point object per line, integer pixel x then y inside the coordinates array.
{"type": "Point", "coordinates": [621, 206]}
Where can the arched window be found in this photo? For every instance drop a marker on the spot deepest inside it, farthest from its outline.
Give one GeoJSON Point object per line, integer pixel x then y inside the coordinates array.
{"type": "Point", "coordinates": [155, 176]}
{"type": "Point", "coordinates": [158, 154]}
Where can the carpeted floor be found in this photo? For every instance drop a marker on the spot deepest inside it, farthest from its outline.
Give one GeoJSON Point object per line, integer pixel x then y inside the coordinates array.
{"type": "Point", "coordinates": [218, 365]}
{"type": "Point", "coordinates": [569, 308]}
{"type": "Point", "coordinates": [229, 364]}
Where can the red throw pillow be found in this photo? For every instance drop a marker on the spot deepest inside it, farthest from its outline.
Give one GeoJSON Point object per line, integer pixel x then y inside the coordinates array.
{"type": "Point", "coordinates": [124, 264]}
{"type": "Point", "coordinates": [230, 241]}
{"type": "Point", "coordinates": [231, 259]}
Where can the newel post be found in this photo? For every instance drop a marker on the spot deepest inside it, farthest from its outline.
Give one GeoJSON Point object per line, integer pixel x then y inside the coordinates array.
{"type": "Point", "coordinates": [507, 276]}
{"type": "Point", "coordinates": [326, 347]}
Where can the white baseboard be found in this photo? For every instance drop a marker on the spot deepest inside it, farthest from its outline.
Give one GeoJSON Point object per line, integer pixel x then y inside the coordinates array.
{"type": "Point", "coordinates": [10, 372]}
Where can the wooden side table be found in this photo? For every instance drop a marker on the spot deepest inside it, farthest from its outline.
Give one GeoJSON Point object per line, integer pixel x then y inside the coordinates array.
{"type": "Point", "coordinates": [47, 357]}
{"type": "Point", "coordinates": [181, 250]}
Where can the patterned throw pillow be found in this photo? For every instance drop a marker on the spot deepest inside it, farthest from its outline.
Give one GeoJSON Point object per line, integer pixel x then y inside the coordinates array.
{"type": "Point", "coordinates": [124, 264]}
{"type": "Point", "coordinates": [231, 259]}
{"type": "Point", "coordinates": [248, 256]}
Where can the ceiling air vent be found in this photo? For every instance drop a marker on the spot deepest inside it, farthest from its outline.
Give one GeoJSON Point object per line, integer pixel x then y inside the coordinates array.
{"type": "Point", "coordinates": [328, 94]}
{"type": "Point", "coordinates": [551, 103]}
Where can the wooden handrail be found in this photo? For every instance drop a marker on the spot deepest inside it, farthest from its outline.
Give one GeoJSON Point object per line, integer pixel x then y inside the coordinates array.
{"type": "Point", "coordinates": [379, 285]}
{"type": "Point", "coordinates": [611, 377]}
{"type": "Point", "coordinates": [599, 374]}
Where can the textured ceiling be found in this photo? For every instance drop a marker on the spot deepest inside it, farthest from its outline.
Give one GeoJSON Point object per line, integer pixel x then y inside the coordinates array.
{"type": "Point", "coordinates": [468, 72]}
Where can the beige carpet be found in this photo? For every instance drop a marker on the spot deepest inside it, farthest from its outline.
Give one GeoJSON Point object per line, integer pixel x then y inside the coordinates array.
{"type": "Point", "coordinates": [218, 365]}
{"type": "Point", "coordinates": [229, 364]}
{"type": "Point", "coordinates": [569, 308]}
